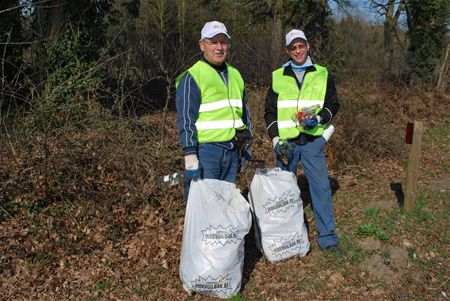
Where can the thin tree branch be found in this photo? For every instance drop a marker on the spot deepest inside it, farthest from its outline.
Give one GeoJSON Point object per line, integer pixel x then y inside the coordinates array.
{"type": "Point", "coordinates": [19, 6]}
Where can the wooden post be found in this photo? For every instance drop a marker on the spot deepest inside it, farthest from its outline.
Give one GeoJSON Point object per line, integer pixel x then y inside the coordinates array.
{"type": "Point", "coordinates": [412, 169]}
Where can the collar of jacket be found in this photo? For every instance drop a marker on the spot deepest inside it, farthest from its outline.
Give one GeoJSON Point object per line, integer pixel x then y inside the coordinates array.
{"type": "Point", "coordinates": [290, 72]}
{"type": "Point", "coordinates": [220, 68]}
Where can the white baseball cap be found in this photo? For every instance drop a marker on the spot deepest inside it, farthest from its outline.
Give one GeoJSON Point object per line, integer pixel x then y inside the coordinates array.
{"type": "Point", "coordinates": [213, 28]}
{"type": "Point", "coordinates": [294, 34]}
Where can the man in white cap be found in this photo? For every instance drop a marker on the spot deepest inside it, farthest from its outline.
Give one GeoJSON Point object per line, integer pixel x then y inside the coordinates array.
{"type": "Point", "coordinates": [300, 104]}
{"type": "Point", "coordinates": [212, 115]}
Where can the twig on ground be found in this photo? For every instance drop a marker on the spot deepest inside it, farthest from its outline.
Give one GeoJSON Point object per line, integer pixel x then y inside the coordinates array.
{"type": "Point", "coordinates": [6, 211]}
{"type": "Point", "coordinates": [10, 145]}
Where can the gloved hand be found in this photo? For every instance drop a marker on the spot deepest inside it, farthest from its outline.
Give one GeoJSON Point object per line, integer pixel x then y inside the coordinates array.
{"type": "Point", "coordinates": [245, 156]}
{"type": "Point", "coordinates": [192, 168]}
{"type": "Point", "coordinates": [282, 147]}
{"type": "Point", "coordinates": [311, 123]}
{"type": "Point", "coordinates": [243, 139]}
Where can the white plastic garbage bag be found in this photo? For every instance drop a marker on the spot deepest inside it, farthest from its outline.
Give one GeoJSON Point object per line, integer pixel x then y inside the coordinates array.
{"type": "Point", "coordinates": [279, 214]}
{"type": "Point", "coordinates": [212, 252]}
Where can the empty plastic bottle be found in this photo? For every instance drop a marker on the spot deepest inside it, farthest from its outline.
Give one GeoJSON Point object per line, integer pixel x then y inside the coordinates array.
{"type": "Point", "coordinates": [172, 179]}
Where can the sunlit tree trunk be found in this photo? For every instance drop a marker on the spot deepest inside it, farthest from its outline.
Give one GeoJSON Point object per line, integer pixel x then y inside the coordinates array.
{"type": "Point", "coordinates": [387, 9]}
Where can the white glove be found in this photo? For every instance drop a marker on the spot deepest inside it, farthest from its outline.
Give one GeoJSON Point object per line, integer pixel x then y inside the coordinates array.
{"type": "Point", "coordinates": [275, 141]}
{"type": "Point", "coordinates": [328, 132]}
{"type": "Point", "coordinates": [191, 162]}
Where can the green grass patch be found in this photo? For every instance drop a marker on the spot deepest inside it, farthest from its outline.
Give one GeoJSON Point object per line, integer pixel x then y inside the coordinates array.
{"type": "Point", "coordinates": [34, 206]}
{"type": "Point", "coordinates": [104, 285]}
{"type": "Point", "coordinates": [142, 290]}
{"type": "Point", "coordinates": [441, 134]}
{"type": "Point", "coordinates": [421, 214]}
{"type": "Point", "coordinates": [371, 229]}
{"type": "Point", "coordinates": [237, 298]}
{"type": "Point", "coordinates": [352, 253]}
{"type": "Point", "coordinates": [372, 213]}
{"type": "Point", "coordinates": [377, 224]}
{"type": "Point", "coordinates": [309, 283]}
{"type": "Point", "coordinates": [440, 138]}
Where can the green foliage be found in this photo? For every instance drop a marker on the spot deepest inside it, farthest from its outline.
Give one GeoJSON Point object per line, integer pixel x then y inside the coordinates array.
{"type": "Point", "coordinates": [71, 76]}
{"type": "Point", "coordinates": [88, 17]}
{"type": "Point", "coordinates": [428, 26]}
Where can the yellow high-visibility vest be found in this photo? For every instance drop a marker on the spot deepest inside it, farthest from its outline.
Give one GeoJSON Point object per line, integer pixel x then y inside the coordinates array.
{"type": "Point", "coordinates": [292, 99]}
{"type": "Point", "coordinates": [220, 112]}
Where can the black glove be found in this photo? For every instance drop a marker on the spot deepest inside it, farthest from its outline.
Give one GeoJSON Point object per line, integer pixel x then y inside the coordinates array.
{"type": "Point", "coordinates": [242, 139]}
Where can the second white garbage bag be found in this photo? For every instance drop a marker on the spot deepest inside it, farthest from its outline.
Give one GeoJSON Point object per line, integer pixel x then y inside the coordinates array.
{"type": "Point", "coordinates": [212, 252]}
{"type": "Point", "coordinates": [279, 214]}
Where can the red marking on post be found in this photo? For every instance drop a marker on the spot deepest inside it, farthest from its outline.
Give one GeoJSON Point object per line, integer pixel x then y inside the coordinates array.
{"type": "Point", "coordinates": [409, 132]}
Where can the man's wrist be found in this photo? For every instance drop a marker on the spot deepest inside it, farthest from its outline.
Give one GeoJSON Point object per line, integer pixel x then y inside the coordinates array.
{"type": "Point", "coordinates": [190, 150]}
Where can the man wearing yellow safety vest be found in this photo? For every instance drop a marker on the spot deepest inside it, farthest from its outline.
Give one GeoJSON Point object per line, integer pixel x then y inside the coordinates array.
{"type": "Point", "coordinates": [300, 105]}
{"type": "Point", "coordinates": [212, 116]}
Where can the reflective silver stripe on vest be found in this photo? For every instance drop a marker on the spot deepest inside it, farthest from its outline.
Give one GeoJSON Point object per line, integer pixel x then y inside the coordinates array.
{"type": "Point", "coordinates": [220, 104]}
{"type": "Point", "coordinates": [301, 103]}
{"type": "Point", "coordinates": [220, 124]}
{"type": "Point", "coordinates": [287, 124]}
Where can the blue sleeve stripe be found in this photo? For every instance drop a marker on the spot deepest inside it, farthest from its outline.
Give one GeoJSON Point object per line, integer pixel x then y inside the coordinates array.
{"type": "Point", "coordinates": [184, 108]}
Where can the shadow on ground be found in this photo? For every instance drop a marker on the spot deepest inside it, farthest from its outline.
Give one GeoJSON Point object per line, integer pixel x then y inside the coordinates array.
{"type": "Point", "coordinates": [252, 256]}
{"type": "Point", "coordinates": [302, 183]}
{"type": "Point", "coordinates": [252, 253]}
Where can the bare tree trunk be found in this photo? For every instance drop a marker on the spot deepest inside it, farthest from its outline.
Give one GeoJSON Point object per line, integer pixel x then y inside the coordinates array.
{"type": "Point", "coordinates": [443, 73]}
{"type": "Point", "coordinates": [181, 22]}
{"type": "Point", "coordinates": [390, 27]}
{"type": "Point", "coordinates": [388, 47]}
{"type": "Point", "coordinates": [277, 30]}
{"type": "Point", "coordinates": [162, 26]}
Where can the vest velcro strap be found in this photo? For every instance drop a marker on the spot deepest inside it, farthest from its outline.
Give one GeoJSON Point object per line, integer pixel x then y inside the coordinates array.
{"type": "Point", "coordinates": [220, 104]}
{"type": "Point", "coordinates": [220, 124]}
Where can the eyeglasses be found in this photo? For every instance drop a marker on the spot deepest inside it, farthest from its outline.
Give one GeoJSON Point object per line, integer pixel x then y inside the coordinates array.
{"type": "Point", "coordinates": [297, 46]}
{"type": "Point", "coordinates": [216, 43]}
